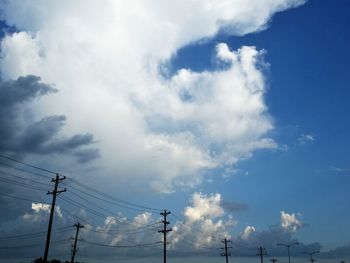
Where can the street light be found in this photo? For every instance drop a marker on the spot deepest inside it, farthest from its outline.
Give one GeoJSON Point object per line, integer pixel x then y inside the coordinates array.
{"type": "Point", "coordinates": [288, 246]}
{"type": "Point", "coordinates": [312, 260]}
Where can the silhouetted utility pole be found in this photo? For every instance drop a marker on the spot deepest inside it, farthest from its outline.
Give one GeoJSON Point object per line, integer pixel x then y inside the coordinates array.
{"type": "Point", "coordinates": [78, 226]}
{"type": "Point", "coordinates": [226, 254]}
{"type": "Point", "coordinates": [54, 193]}
{"type": "Point", "coordinates": [273, 260]}
{"type": "Point", "coordinates": [165, 231]}
{"type": "Point", "coordinates": [261, 253]}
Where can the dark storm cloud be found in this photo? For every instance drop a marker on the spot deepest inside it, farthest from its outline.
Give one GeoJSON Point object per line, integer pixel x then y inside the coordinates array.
{"type": "Point", "coordinates": [22, 90]}
{"type": "Point", "coordinates": [20, 134]}
{"type": "Point", "coordinates": [234, 206]}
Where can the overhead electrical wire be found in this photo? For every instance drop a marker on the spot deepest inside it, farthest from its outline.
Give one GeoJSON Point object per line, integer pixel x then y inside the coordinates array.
{"type": "Point", "coordinates": [33, 245]}
{"type": "Point", "coordinates": [79, 205]}
{"type": "Point", "coordinates": [102, 199]}
{"type": "Point", "coordinates": [26, 164]}
{"type": "Point", "coordinates": [120, 246]}
{"type": "Point", "coordinates": [17, 183]}
{"type": "Point", "coordinates": [190, 227]}
{"type": "Point", "coordinates": [23, 178]}
{"type": "Point", "coordinates": [126, 204]}
{"type": "Point", "coordinates": [23, 170]}
{"type": "Point", "coordinates": [106, 210]}
{"type": "Point", "coordinates": [34, 234]}
{"type": "Point", "coordinates": [114, 198]}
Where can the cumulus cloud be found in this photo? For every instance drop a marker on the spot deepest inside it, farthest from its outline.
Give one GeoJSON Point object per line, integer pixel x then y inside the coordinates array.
{"type": "Point", "coordinates": [105, 58]}
{"type": "Point", "coordinates": [291, 221]}
{"type": "Point", "coordinates": [203, 206]}
{"type": "Point", "coordinates": [247, 232]}
{"type": "Point", "coordinates": [204, 223]}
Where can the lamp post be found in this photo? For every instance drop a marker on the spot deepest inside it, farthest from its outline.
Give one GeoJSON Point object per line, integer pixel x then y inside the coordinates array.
{"type": "Point", "coordinates": [312, 260]}
{"type": "Point", "coordinates": [288, 247]}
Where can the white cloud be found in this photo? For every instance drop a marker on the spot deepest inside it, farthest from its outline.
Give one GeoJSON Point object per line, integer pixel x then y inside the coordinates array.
{"type": "Point", "coordinates": [41, 212]}
{"type": "Point", "coordinates": [306, 138]}
{"type": "Point", "coordinates": [205, 222]}
{"type": "Point", "coordinates": [290, 222]}
{"type": "Point", "coordinates": [37, 207]}
{"type": "Point", "coordinates": [105, 57]}
{"type": "Point", "coordinates": [247, 232]}
{"type": "Point", "coordinates": [203, 206]}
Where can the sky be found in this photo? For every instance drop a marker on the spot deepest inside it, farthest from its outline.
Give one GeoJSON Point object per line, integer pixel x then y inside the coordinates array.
{"type": "Point", "coordinates": [232, 115]}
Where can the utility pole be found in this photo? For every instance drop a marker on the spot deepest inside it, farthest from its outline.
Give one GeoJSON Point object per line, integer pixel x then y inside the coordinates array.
{"type": "Point", "coordinates": [261, 253]}
{"type": "Point", "coordinates": [165, 231]}
{"type": "Point", "coordinates": [226, 253]}
{"type": "Point", "coordinates": [78, 226]}
{"type": "Point", "coordinates": [54, 193]}
{"type": "Point", "coordinates": [273, 260]}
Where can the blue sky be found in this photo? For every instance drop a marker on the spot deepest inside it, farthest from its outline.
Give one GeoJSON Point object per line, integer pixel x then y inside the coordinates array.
{"type": "Point", "coordinates": [122, 134]}
{"type": "Point", "coordinates": [308, 55]}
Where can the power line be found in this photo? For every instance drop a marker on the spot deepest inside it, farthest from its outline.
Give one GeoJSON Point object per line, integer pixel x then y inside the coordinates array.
{"type": "Point", "coordinates": [120, 246]}
{"type": "Point", "coordinates": [76, 203]}
{"type": "Point", "coordinates": [136, 231]}
{"type": "Point", "coordinates": [32, 235]}
{"type": "Point", "coordinates": [124, 258]}
{"type": "Point", "coordinates": [25, 171]}
{"type": "Point", "coordinates": [23, 178]}
{"type": "Point", "coordinates": [190, 227]}
{"type": "Point", "coordinates": [26, 164]}
{"type": "Point", "coordinates": [79, 205]}
{"type": "Point", "coordinates": [105, 200]}
{"type": "Point", "coordinates": [42, 202]}
{"type": "Point", "coordinates": [32, 245]}
{"type": "Point", "coordinates": [17, 183]}
{"type": "Point", "coordinates": [114, 198]}
{"type": "Point", "coordinates": [24, 199]}
{"type": "Point", "coordinates": [85, 186]}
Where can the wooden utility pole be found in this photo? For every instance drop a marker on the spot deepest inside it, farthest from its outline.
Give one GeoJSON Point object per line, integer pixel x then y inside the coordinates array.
{"type": "Point", "coordinates": [226, 254]}
{"type": "Point", "coordinates": [78, 226]}
{"type": "Point", "coordinates": [54, 193]}
{"type": "Point", "coordinates": [165, 231]}
{"type": "Point", "coordinates": [261, 253]}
